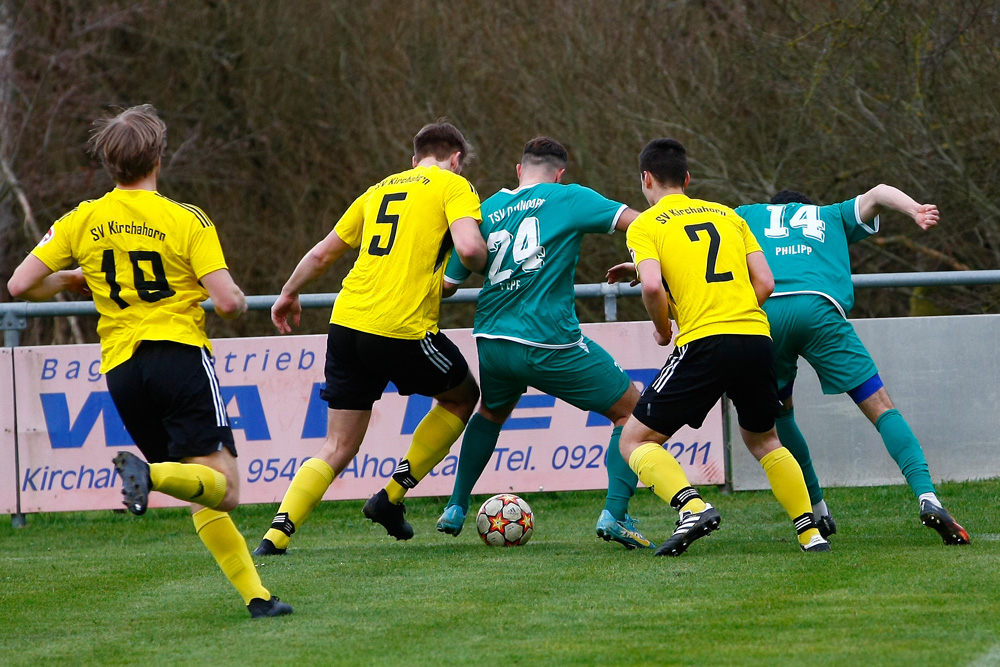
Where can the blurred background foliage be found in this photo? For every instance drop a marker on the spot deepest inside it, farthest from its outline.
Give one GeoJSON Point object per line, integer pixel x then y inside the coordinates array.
{"type": "Point", "coordinates": [281, 113]}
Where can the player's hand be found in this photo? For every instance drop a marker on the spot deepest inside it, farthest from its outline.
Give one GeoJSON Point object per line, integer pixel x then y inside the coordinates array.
{"type": "Point", "coordinates": [75, 282]}
{"type": "Point", "coordinates": [927, 216]}
{"type": "Point", "coordinates": [285, 309]}
{"type": "Point", "coordinates": [621, 272]}
{"type": "Point", "coordinates": [662, 340]}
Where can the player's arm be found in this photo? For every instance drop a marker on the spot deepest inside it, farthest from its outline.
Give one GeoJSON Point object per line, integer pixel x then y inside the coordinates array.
{"type": "Point", "coordinates": [884, 197]}
{"type": "Point", "coordinates": [654, 298]}
{"type": "Point", "coordinates": [34, 281]}
{"type": "Point", "coordinates": [626, 219]}
{"type": "Point", "coordinates": [313, 265]}
{"type": "Point", "coordinates": [760, 276]}
{"type": "Point", "coordinates": [469, 244]}
{"type": "Point", "coordinates": [226, 295]}
{"type": "Point", "coordinates": [621, 272]}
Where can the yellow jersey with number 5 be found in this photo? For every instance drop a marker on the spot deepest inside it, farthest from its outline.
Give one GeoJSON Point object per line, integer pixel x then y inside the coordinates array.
{"type": "Point", "coordinates": [702, 249]}
{"type": "Point", "coordinates": [143, 256]}
{"type": "Point", "coordinates": [400, 226]}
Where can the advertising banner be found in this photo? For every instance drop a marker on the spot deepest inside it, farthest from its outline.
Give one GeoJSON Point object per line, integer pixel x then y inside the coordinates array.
{"type": "Point", "coordinates": [69, 429]}
{"type": "Point", "coordinates": [8, 473]}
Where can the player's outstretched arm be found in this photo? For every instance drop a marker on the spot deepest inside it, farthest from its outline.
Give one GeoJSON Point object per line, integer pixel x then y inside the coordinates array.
{"type": "Point", "coordinates": [286, 310]}
{"type": "Point", "coordinates": [621, 272]}
{"type": "Point", "coordinates": [469, 244]}
{"type": "Point", "coordinates": [226, 295]}
{"type": "Point", "coordinates": [885, 197]}
{"type": "Point", "coordinates": [627, 217]}
{"type": "Point", "coordinates": [760, 276]}
{"type": "Point", "coordinates": [34, 281]}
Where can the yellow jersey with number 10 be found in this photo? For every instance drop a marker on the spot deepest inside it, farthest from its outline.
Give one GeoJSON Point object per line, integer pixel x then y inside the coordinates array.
{"type": "Point", "coordinates": [143, 256]}
{"type": "Point", "coordinates": [702, 249]}
{"type": "Point", "coordinates": [400, 226]}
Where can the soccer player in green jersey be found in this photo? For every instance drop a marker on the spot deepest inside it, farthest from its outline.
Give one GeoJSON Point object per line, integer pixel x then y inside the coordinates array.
{"type": "Point", "coordinates": [527, 331]}
{"type": "Point", "coordinates": [807, 248]}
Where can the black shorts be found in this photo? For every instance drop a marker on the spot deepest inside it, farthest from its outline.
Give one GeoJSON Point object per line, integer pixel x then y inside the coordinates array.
{"type": "Point", "coordinates": [360, 365]}
{"type": "Point", "coordinates": [697, 374]}
{"type": "Point", "coordinates": [168, 397]}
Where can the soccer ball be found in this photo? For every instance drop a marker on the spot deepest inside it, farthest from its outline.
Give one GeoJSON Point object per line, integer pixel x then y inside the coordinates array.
{"type": "Point", "coordinates": [505, 520]}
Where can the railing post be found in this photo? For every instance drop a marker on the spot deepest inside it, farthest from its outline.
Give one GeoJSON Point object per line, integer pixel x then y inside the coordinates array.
{"type": "Point", "coordinates": [610, 293]}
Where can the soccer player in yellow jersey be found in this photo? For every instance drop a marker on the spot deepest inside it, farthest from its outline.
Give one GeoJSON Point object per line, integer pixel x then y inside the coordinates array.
{"type": "Point", "coordinates": [384, 326]}
{"type": "Point", "coordinates": [700, 266]}
{"type": "Point", "coordinates": [149, 263]}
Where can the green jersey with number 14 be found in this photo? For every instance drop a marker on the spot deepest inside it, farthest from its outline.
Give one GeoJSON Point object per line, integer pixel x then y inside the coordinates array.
{"type": "Point", "coordinates": [806, 246]}
{"type": "Point", "coordinates": [533, 235]}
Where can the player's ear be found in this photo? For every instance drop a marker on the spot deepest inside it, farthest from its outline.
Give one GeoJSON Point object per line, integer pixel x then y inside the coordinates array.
{"type": "Point", "coordinates": [559, 175]}
{"type": "Point", "coordinates": [518, 171]}
{"type": "Point", "coordinates": [687, 179]}
{"type": "Point", "coordinates": [415, 160]}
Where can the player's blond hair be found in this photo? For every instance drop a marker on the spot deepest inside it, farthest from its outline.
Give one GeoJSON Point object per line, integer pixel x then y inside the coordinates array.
{"type": "Point", "coordinates": [130, 144]}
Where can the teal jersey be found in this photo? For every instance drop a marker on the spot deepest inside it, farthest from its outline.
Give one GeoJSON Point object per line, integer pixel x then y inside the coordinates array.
{"type": "Point", "coordinates": [533, 235]}
{"type": "Point", "coordinates": [806, 246]}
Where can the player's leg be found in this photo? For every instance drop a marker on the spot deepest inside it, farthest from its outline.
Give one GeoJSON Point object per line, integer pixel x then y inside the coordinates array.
{"type": "Point", "coordinates": [752, 388]}
{"type": "Point", "coordinates": [682, 393]}
{"type": "Point", "coordinates": [905, 450]}
{"type": "Point", "coordinates": [434, 367]}
{"type": "Point", "coordinates": [792, 439]}
{"type": "Point", "coordinates": [352, 387]}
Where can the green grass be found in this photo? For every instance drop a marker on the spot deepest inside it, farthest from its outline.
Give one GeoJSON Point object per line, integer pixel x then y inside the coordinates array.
{"type": "Point", "coordinates": [103, 587]}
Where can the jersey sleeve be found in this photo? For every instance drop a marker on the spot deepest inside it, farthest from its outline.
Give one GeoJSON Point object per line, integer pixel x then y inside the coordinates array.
{"type": "Point", "coordinates": [206, 250]}
{"type": "Point", "coordinates": [351, 225]}
{"type": "Point", "coordinates": [846, 213]}
{"type": "Point", "coordinates": [749, 240]}
{"type": "Point", "coordinates": [455, 271]}
{"type": "Point", "coordinates": [600, 214]}
{"type": "Point", "coordinates": [55, 249]}
{"type": "Point", "coordinates": [639, 241]}
{"type": "Point", "coordinates": [461, 200]}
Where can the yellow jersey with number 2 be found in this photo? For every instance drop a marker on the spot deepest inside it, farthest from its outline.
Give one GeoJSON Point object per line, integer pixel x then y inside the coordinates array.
{"type": "Point", "coordinates": [400, 226]}
{"type": "Point", "coordinates": [702, 249]}
{"type": "Point", "coordinates": [143, 256]}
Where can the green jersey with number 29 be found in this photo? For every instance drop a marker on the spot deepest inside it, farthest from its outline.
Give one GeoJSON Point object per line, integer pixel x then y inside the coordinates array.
{"type": "Point", "coordinates": [533, 235]}
{"type": "Point", "coordinates": [806, 246]}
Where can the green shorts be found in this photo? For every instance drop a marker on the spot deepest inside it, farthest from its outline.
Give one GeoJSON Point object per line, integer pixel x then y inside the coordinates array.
{"type": "Point", "coordinates": [585, 376]}
{"type": "Point", "coordinates": [811, 327]}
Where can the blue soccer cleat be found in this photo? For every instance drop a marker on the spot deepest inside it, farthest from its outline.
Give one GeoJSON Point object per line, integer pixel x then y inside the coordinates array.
{"type": "Point", "coordinates": [622, 532]}
{"type": "Point", "coordinates": [451, 520]}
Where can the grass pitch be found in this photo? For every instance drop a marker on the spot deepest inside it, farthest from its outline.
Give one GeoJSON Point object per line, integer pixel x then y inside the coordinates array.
{"type": "Point", "coordinates": [110, 588]}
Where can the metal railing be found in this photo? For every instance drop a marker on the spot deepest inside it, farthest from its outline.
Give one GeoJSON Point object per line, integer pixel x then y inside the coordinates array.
{"type": "Point", "coordinates": [14, 316]}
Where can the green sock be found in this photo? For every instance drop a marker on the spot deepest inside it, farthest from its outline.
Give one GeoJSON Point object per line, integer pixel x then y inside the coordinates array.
{"type": "Point", "coordinates": [621, 479]}
{"type": "Point", "coordinates": [904, 448]}
{"type": "Point", "coordinates": [477, 447]}
{"type": "Point", "coordinates": [792, 439]}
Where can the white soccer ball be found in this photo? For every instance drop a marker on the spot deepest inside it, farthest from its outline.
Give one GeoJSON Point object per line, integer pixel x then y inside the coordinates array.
{"type": "Point", "coordinates": [505, 520]}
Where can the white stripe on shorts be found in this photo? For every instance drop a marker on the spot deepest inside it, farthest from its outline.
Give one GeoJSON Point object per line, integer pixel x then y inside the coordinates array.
{"type": "Point", "coordinates": [668, 370]}
{"type": "Point", "coordinates": [441, 362]}
{"type": "Point", "coordinates": [221, 418]}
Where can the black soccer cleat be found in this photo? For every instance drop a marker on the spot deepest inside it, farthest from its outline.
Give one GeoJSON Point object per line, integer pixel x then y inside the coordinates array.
{"type": "Point", "coordinates": [260, 608]}
{"type": "Point", "coordinates": [816, 544]}
{"type": "Point", "coordinates": [380, 509]}
{"type": "Point", "coordinates": [690, 527]}
{"type": "Point", "coordinates": [826, 526]}
{"type": "Point", "coordinates": [136, 482]}
{"type": "Point", "coordinates": [936, 517]}
{"type": "Point", "coordinates": [267, 548]}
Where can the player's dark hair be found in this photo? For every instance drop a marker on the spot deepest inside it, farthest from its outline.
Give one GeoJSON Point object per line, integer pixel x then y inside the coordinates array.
{"type": "Point", "coordinates": [129, 144]}
{"type": "Point", "coordinates": [545, 152]}
{"type": "Point", "coordinates": [440, 140]}
{"type": "Point", "coordinates": [790, 197]}
{"type": "Point", "coordinates": [666, 160]}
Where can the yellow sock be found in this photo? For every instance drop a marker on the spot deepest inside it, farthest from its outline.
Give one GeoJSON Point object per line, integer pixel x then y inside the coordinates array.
{"type": "Point", "coordinates": [189, 481]}
{"type": "Point", "coordinates": [664, 476]}
{"type": "Point", "coordinates": [789, 487]}
{"type": "Point", "coordinates": [303, 495]}
{"type": "Point", "coordinates": [432, 439]}
{"type": "Point", "coordinates": [219, 533]}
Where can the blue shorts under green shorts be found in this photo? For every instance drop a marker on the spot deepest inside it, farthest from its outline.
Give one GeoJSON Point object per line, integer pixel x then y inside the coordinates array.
{"type": "Point", "coordinates": [810, 326]}
{"type": "Point", "coordinates": [585, 376]}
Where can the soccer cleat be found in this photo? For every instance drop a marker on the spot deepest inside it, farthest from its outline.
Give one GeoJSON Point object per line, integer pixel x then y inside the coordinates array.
{"type": "Point", "coordinates": [267, 548]}
{"type": "Point", "coordinates": [935, 516]}
{"type": "Point", "coordinates": [451, 520]}
{"type": "Point", "coordinates": [381, 510]}
{"type": "Point", "coordinates": [690, 527]}
{"type": "Point", "coordinates": [815, 545]}
{"type": "Point", "coordinates": [623, 532]}
{"type": "Point", "coordinates": [826, 526]}
{"type": "Point", "coordinates": [136, 482]}
{"type": "Point", "coordinates": [259, 608]}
